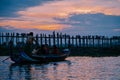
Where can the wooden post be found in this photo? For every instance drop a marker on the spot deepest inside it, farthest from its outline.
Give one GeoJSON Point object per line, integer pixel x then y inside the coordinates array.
{"type": "Point", "coordinates": [23, 37]}
{"type": "Point", "coordinates": [45, 39]}
{"type": "Point", "coordinates": [110, 42]}
{"type": "Point", "coordinates": [93, 40]}
{"type": "Point", "coordinates": [12, 34]}
{"type": "Point", "coordinates": [86, 37]}
{"type": "Point", "coordinates": [58, 39]}
{"type": "Point", "coordinates": [6, 38]}
{"type": "Point", "coordinates": [37, 40]}
{"type": "Point", "coordinates": [69, 44]}
{"type": "Point", "coordinates": [73, 41]}
{"type": "Point", "coordinates": [89, 41]}
{"type": "Point", "coordinates": [41, 39]}
{"type": "Point", "coordinates": [49, 39]}
{"type": "Point", "coordinates": [98, 41]}
{"type": "Point", "coordinates": [76, 41]}
{"type": "Point", "coordinates": [79, 40]}
{"type": "Point", "coordinates": [53, 37]}
{"type": "Point", "coordinates": [107, 42]}
{"type": "Point", "coordinates": [6, 41]}
{"type": "Point", "coordinates": [16, 38]}
{"type": "Point", "coordinates": [2, 38]}
{"type": "Point", "coordinates": [83, 39]}
{"type": "Point", "coordinates": [102, 40]}
{"type": "Point", "coordinates": [61, 40]}
{"type": "Point", "coordinates": [65, 37]}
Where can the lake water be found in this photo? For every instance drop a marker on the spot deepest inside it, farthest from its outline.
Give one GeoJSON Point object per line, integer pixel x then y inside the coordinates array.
{"type": "Point", "coordinates": [74, 68]}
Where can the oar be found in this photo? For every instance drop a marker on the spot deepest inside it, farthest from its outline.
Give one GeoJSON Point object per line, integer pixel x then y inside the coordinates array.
{"type": "Point", "coordinates": [5, 59]}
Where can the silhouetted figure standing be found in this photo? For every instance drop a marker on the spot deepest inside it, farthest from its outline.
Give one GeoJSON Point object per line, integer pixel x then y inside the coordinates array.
{"type": "Point", "coordinates": [29, 44]}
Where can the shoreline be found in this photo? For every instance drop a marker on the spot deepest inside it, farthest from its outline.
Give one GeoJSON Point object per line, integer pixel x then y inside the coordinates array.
{"type": "Point", "coordinates": [95, 52]}
{"type": "Point", "coordinates": [82, 51]}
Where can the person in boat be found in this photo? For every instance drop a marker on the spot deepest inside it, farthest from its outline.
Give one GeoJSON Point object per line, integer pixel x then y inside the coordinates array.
{"type": "Point", "coordinates": [55, 50]}
{"type": "Point", "coordinates": [44, 49]}
{"type": "Point", "coordinates": [30, 38]}
{"type": "Point", "coordinates": [29, 44]}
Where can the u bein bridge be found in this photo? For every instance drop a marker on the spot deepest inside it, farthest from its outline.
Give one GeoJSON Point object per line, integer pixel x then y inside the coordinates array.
{"type": "Point", "coordinates": [62, 40]}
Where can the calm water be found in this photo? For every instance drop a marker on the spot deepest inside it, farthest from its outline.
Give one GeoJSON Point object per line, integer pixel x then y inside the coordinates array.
{"type": "Point", "coordinates": [74, 68]}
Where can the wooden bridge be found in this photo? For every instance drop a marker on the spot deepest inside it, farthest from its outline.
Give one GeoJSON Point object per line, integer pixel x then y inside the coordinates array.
{"type": "Point", "coordinates": [62, 40]}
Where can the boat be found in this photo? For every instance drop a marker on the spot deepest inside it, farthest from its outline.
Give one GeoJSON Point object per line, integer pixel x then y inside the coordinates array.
{"type": "Point", "coordinates": [24, 58]}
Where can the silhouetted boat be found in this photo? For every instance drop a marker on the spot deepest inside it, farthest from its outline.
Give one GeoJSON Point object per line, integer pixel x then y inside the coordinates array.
{"type": "Point", "coordinates": [24, 58]}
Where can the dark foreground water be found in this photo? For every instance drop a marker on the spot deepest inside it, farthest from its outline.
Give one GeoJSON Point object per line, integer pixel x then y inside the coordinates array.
{"type": "Point", "coordinates": [74, 68]}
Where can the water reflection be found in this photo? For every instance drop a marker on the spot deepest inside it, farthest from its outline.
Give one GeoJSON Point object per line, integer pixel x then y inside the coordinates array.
{"type": "Point", "coordinates": [37, 71]}
{"type": "Point", "coordinates": [22, 72]}
{"type": "Point", "coordinates": [74, 68]}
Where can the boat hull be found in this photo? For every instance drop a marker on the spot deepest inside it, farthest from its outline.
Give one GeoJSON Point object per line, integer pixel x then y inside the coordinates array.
{"type": "Point", "coordinates": [24, 58]}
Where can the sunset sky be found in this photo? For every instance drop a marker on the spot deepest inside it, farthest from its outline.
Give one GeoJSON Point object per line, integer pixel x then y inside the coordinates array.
{"type": "Point", "coordinates": [83, 17]}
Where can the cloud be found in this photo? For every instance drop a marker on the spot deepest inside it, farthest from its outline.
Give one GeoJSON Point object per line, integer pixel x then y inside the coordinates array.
{"type": "Point", "coordinates": [8, 8]}
{"type": "Point", "coordinates": [92, 20]}
{"type": "Point", "coordinates": [117, 29]}
{"type": "Point", "coordinates": [65, 8]}
{"type": "Point", "coordinates": [87, 16]}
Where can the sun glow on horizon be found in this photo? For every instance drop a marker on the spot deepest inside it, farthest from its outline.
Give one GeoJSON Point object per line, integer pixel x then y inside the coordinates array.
{"type": "Point", "coordinates": [32, 25]}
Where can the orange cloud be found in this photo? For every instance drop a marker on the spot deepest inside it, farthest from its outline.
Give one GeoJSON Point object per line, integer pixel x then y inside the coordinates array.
{"type": "Point", "coordinates": [30, 25]}
{"type": "Point", "coordinates": [50, 27]}
{"type": "Point", "coordinates": [16, 23]}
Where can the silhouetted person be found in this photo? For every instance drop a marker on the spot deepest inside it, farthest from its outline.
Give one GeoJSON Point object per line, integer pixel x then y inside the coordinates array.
{"type": "Point", "coordinates": [44, 49]}
{"type": "Point", "coordinates": [29, 44]}
{"type": "Point", "coordinates": [30, 38]}
{"type": "Point", "coordinates": [55, 50]}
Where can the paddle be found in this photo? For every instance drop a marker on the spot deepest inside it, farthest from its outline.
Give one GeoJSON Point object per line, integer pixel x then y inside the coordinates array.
{"type": "Point", "coordinates": [5, 59]}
